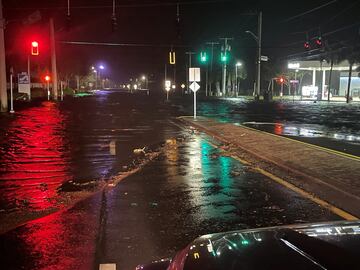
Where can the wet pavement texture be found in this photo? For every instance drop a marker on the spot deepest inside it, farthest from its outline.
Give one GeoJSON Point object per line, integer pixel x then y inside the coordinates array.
{"type": "Point", "coordinates": [189, 190]}
{"type": "Point", "coordinates": [192, 189]}
{"type": "Point", "coordinates": [331, 125]}
{"type": "Point", "coordinates": [82, 140]}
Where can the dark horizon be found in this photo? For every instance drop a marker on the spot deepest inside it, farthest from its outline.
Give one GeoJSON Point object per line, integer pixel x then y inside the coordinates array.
{"type": "Point", "coordinates": [153, 24]}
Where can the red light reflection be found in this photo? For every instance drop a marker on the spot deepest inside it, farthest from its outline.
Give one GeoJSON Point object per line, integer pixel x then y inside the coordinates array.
{"type": "Point", "coordinates": [34, 158]}
{"type": "Point", "coordinates": [278, 129]}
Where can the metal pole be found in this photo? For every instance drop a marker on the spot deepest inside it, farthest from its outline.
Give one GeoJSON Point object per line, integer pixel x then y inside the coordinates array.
{"type": "Point", "coordinates": [207, 78]}
{"type": "Point", "coordinates": [211, 63]}
{"type": "Point", "coordinates": [224, 70]}
{"type": "Point", "coordinates": [330, 75]}
{"type": "Point", "coordinates": [167, 95]}
{"type": "Point", "coordinates": [236, 79]}
{"type": "Point", "coordinates": [11, 94]}
{"type": "Point", "coordinates": [349, 84]}
{"type": "Point", "coordinates": [226, 48]}
{"type": "Point", "coordinates": [258, 82]}
{"type": "Point", "coordinates": [48, 90]}
{"type": "Point", "coordinates": [29, 74]}
{"type": "Point", "coordinates": [194, 104]}
{"type": "Point", "coordinates": [3, 92]}
{"type": "Point", "coordinates": [53, 59]}
{"type": "Point", "coordinates": [62, 90]}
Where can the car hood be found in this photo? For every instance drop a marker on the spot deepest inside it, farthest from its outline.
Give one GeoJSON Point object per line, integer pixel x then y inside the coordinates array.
{"type": "Point", "coordinates": [311, 246]}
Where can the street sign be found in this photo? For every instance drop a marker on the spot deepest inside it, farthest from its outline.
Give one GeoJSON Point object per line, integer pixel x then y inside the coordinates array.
{"type": "Point", "coordinates": [194, 74]}
{"type": "Point", "coordinates": [194, 86]}
{"type": "Point", "coordinates": [24, 83]}
{"type": "Point", "coordinates": [294, 81]}
{"type": "Point", "coordinates": [167, 85]}
{"type": "Point", "coordinates": [264, 58]}
{"type": "Point", "coordinates": [23, 78]}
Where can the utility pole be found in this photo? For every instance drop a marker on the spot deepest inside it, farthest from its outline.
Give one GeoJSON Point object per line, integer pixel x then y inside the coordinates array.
{"type": "Point", "coordinates": [212, 44]}
{"type": "Point", "coordinates": [349, 83]}
{"type": "Point", "coordinates": [226, 48]}
{"type": "Point", "coordinates": [258, 81]}
{"type": "Point", "coordinates": [187, 72]}
{"type": "Point", "coordinates": [53, 59]}
{"type": "Point", "coordinates": [3, 92]}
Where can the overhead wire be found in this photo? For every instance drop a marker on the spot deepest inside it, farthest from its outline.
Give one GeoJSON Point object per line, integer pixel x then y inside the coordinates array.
{"type": "Point", "coordinates": [199, 2]}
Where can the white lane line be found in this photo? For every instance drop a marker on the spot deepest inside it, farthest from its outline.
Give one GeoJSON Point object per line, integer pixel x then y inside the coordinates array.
{"type": "Point", "coordinates": [107, 266]}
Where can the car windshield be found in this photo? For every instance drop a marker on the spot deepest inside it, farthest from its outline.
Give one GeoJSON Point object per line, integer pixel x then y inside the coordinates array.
{"type": "Point", "coordinates": [131, 128]}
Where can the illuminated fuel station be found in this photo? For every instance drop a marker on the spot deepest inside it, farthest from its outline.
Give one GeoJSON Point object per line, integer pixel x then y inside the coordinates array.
{"type": "Point", "coordinates": [315, 83]}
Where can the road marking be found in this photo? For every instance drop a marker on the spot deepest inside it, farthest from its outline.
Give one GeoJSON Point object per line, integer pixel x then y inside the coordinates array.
{"type": "Point", "coordinates": [341, 213]}
{"type": "Point", "coordinates": [107, 266]}
{"type": "Point", "coordinates": [338, 153]}
{"type": "Point", "coordinates": [307, 195]}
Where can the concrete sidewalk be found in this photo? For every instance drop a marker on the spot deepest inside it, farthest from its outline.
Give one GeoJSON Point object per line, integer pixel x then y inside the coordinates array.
{"type": "Point", "coordinates": [332, 176]}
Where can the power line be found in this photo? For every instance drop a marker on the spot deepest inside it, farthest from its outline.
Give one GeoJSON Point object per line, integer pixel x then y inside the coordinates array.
{"type": "Point", "coordinates": [125, 5]}
{"type": "Point", "coordinates": [122, 44]}
{"type": "Point", "coordinates": [309, 11]}
{"type": "Point", "coordinates": [328, 33]}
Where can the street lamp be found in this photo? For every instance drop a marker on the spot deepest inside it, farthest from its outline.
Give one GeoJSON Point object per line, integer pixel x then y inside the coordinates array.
{"type": "Point", "coordinates": [144, 78]}
{"type": "Point", "coordinates": [101, 67]}
{"type": "Point", "coordinates": [47, 79]}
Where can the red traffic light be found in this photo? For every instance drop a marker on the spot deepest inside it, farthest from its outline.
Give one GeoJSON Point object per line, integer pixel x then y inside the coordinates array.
{"type": "Point", "coordinates": [34, 48]}
{"type": "Point", "coordinates": [47, 78]}
{"type": "Point", "coordinates": [281, 80]}
{"type": "Point", "coordinates": [318, 42]}
{"type": "Point", "coordinates": [307, 45]}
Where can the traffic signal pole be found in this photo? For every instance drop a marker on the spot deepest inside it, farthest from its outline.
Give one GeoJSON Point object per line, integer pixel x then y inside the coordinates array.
{"type": "Point", "coordinates": [212, 44]}
{"type": "Point", "coordinates": [53, 59]}
{"type": "Point", "coordinates": [258, 80]}
{"type": "Point", "coordinates": [3, 92]}
{"type": "Point", "coordinates": [226, 49]}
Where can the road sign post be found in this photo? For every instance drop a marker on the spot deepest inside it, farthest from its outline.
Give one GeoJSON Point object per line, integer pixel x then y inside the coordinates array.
{"type": "Point", "coordinates": [194, 77]}
{"type": "Point", "coordinates": [11, 92]}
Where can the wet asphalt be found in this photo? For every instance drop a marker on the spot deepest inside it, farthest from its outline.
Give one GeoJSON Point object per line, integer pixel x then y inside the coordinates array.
{"type": "Point", "coordinates": [332, 125]}
{"type": "Point", "coordinates": [191, 189]}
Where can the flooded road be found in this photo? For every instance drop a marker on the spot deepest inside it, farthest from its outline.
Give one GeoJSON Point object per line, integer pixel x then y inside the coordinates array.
{"type": "Point", "coordinates": [334, 125]}
{"type": "Point", "coordinates": [192, 188]}
{"type": "Point", "coordinates": [81, 140]}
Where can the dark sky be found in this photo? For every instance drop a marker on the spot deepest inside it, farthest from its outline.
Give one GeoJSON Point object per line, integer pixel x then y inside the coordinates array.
{"type": "Point", "coordinates": [152, 23]}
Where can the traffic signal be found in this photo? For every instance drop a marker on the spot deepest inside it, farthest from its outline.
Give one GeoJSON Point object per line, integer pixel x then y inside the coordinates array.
{"type": "Point", "coordinates": [224, 57]}
{"type": "Point", "coordinates": [281, 80]}
{"type": "Point", "coordinates": [203, 57]}
{"type": "Point", "coordinates": [319, 42]}
{"type": "Point", "coordinates": [172, 58]}
{"type": "Point", "coordinates": [114, 23]}
{"type": "Point", "coordinates": [307, 45]}
{"type": "Point", "coordinates": [47, 78]}
{"type": "Point", "coordinates": [34, 48]}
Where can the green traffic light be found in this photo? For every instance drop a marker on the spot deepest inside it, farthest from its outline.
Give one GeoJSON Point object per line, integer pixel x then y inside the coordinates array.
{"type": "Point", "coordinates": [203, 57]}
{"type": "Point", "coordinates": [224, 57]}
{"type": "Point", "coordinates": [244, 242]}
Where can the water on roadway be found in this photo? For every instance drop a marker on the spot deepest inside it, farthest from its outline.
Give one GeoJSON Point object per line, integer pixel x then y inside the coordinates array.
{"type": "Point", "coordinates": [331, 125]}
{"type": "Point", "coordinates": [191, 189]}
{"type": "Point", "coordinates": [83, 139]}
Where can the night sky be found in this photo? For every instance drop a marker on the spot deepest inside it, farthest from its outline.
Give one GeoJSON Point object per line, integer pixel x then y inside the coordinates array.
{"type": "Point", "coordinates": [152, 24]}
